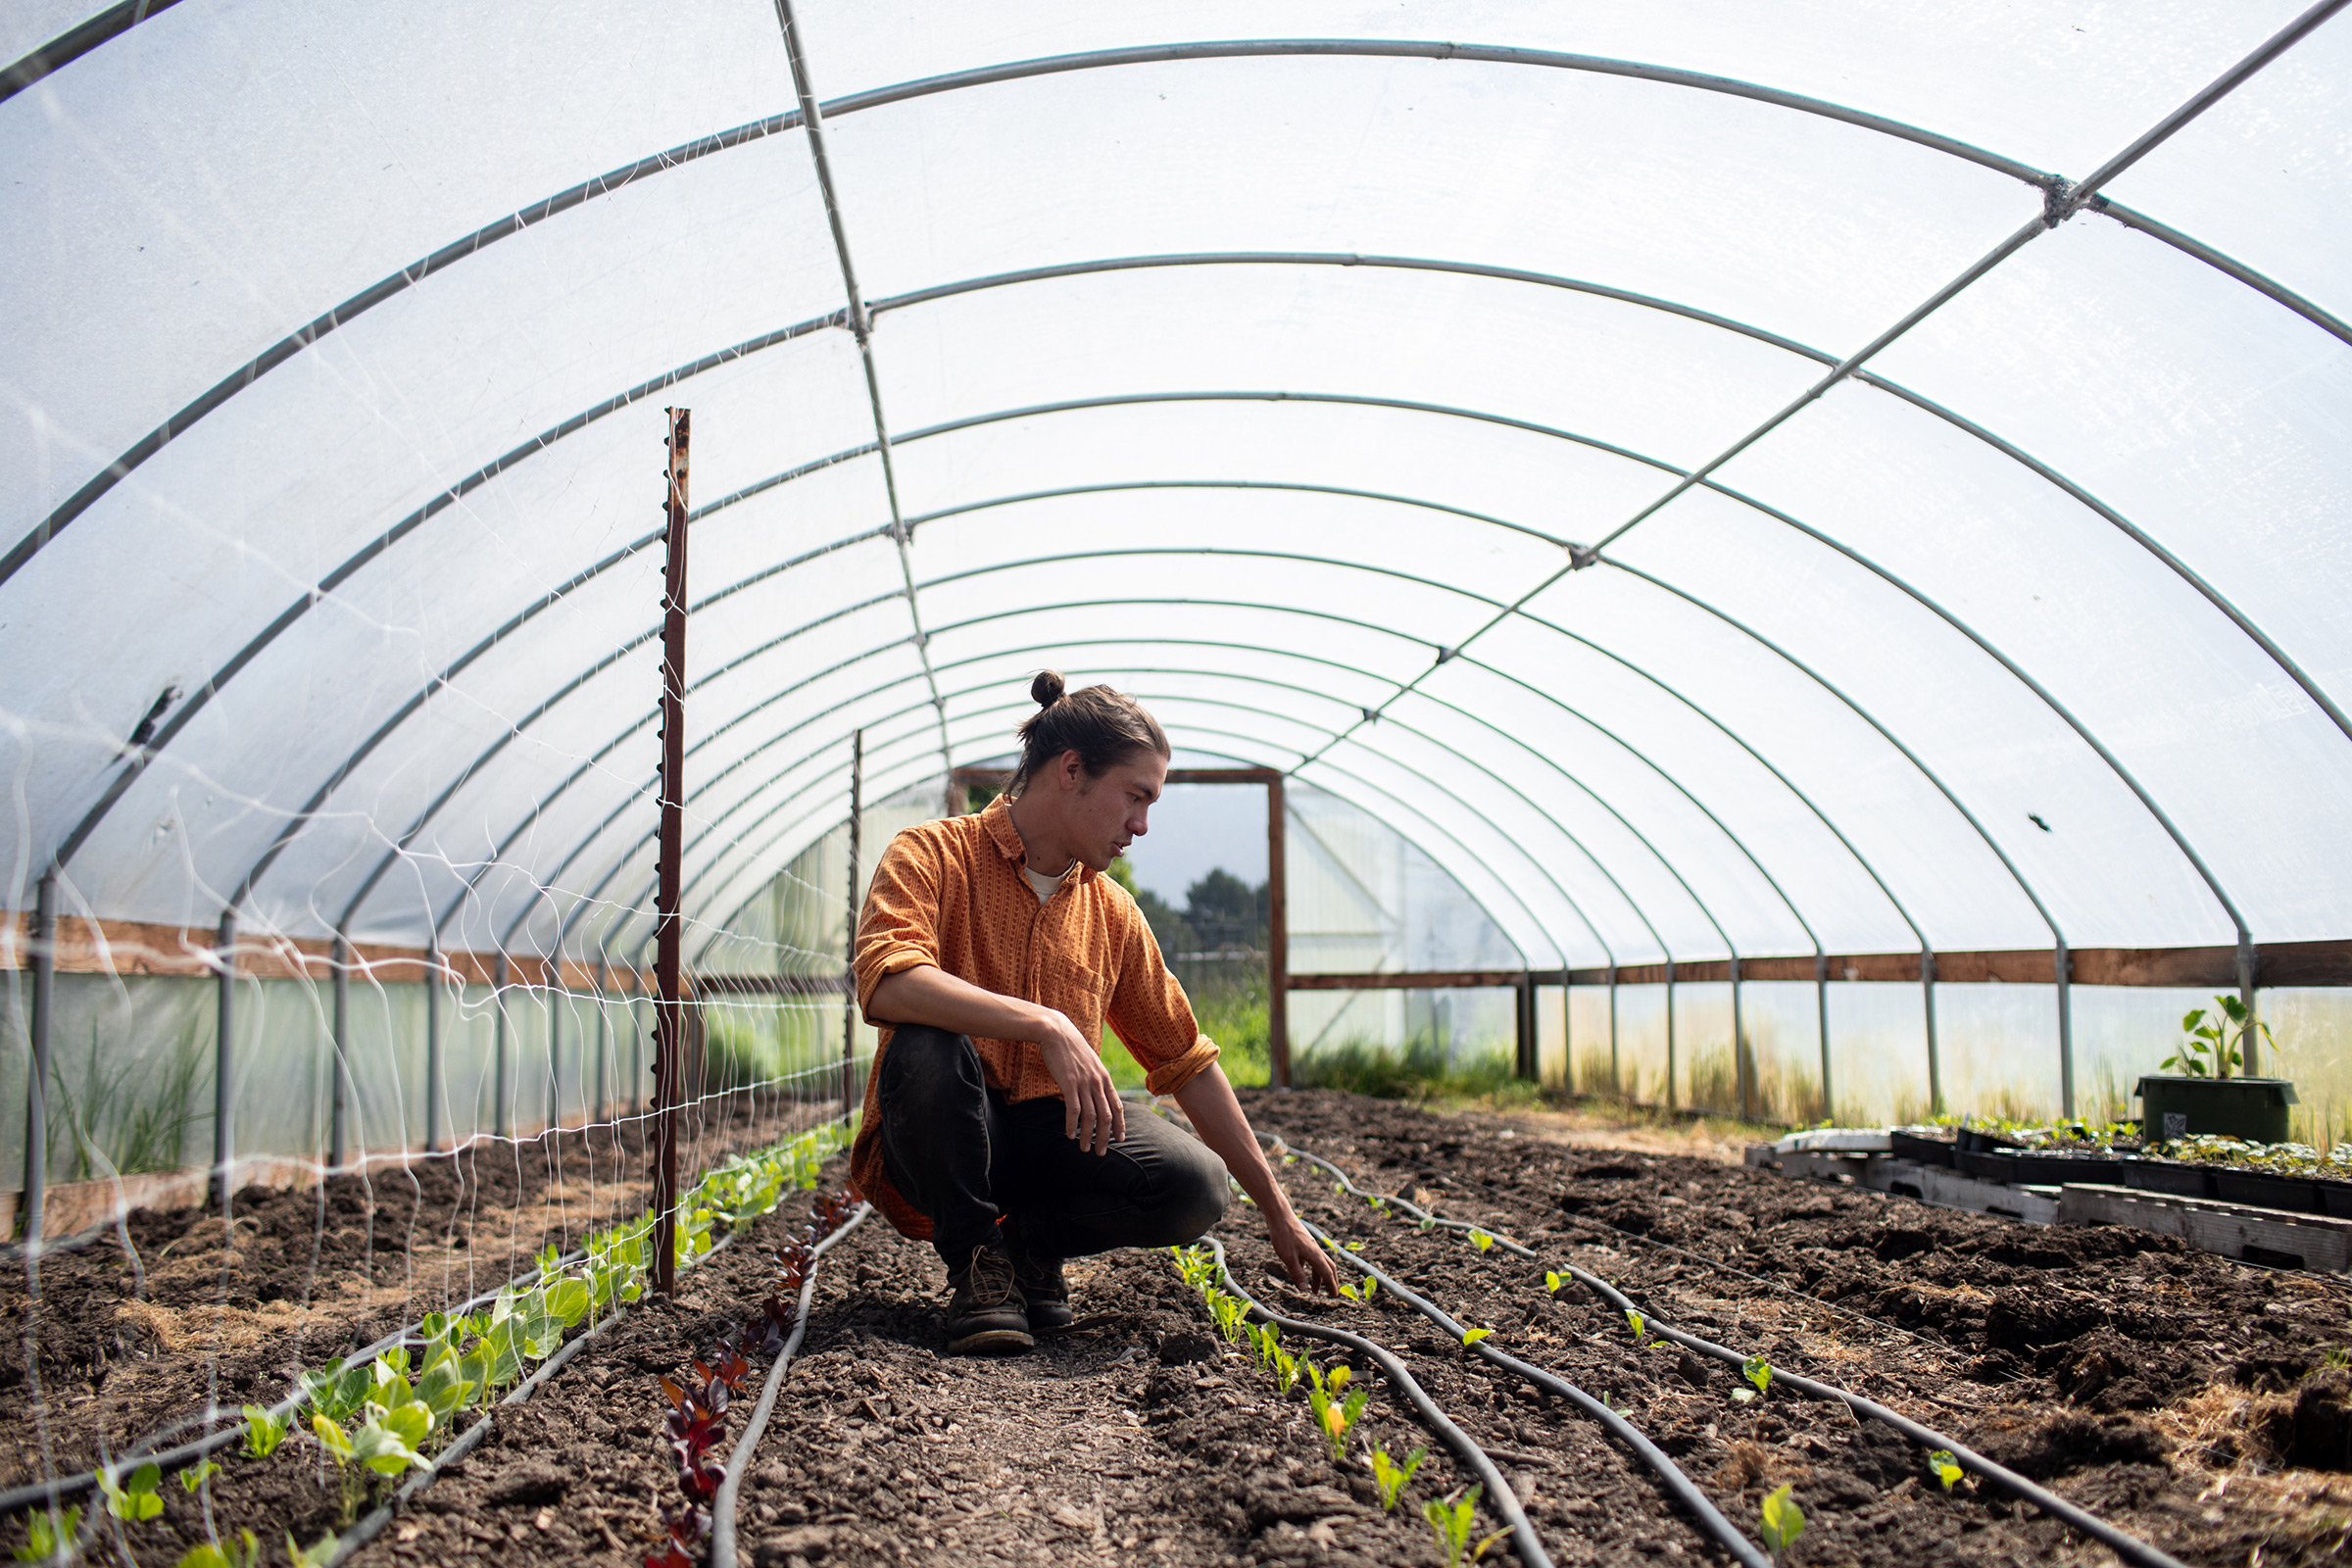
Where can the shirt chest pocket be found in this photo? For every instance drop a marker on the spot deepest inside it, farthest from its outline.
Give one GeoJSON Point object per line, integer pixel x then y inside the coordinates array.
{"type": "Point", "coordinates": [1078, 993]}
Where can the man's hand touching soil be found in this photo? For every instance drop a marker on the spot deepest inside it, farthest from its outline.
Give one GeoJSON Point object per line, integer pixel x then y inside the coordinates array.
{"type": "Point", "coordinates": [1302, 1257]}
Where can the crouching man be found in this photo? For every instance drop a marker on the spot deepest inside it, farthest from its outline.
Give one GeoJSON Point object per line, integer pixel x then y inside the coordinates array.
{"type": "Point", "coordinates": [989, 955]}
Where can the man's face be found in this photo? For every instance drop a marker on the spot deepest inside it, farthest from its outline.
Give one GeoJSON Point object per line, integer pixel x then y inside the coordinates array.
{"type": "Point", "coordinates": [1103, 815]}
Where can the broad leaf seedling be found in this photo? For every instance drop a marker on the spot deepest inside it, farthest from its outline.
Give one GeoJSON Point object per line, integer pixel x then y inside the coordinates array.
{"type": "Point", "coordinates": [1453, 1522]}
{"type": "Point", "coordinates": [133, 1499]}
{"type": "Point", "coordinates": [50, 1535]}
{"type": "Point", "coordinates": [1944, 1468]}
{"type": "Point", "coordinates": [1393, 1478]}
{"type": "Point", "coordinates": [1783, 1522]}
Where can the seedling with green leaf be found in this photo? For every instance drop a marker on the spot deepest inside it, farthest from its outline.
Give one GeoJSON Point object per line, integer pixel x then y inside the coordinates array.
{"type": "Point", "coordinates": [1471, 1336]}
{"type": "Point", "coordinates": [1638, 1323]}
{"type": "Point", "coordinates": [2215, 1041]}
{"type": "Point", "coordinates": [1554, 1279]}
{"type": "Point", "coordinates": [1453, 1522]}
{"type": "Point", "coordinates": [1783, 1522]}
{"type": "Point", "coordinates": [1758, 1373]}
{"type": "Point", "coordinates": [50, 1535]}
{"type": "Point", "coordinates": [134, 1499]}
{"type": "Point", "coordinates": [1481, 1240]}
{"type": "Point", "coordinates": [264, 1432]}
{"type": "Point", "coordinates": [1337, 1408]}
{"type": "Point", "coordinates": [244, 1552]}
{"type": "Point", "coordinates": [1362, 1292]}
{"type": "Point", "coordinates": [1393, 1478]}
{"type": "Point", "coordinates": [1944, 1468]}
{"type": "Point", "coordinates": [197, 1474]}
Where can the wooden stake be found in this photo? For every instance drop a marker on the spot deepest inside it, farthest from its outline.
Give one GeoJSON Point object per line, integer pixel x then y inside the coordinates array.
{"type": "Point", "coordinates": [669, 1002]}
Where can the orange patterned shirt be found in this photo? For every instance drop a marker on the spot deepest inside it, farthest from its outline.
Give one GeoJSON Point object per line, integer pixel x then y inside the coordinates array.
{"type": "Point", "coordinates": [950, 893]}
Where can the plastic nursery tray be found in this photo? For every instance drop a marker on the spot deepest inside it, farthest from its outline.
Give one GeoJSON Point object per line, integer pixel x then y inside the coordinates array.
{"type": "Point", "coordinates": [2175, 1176]}
{"type": "Point", "coordinates": [1972, 1142]}
{"type": "Point", "coordinates": [1926, 1148]}
{"type": "Point", "coordinates": [2296, 1195]}
{"type": "Point", "coordinates": [2335, 1197]}
{"type": "Point", "coordinates": [2039, 1167]}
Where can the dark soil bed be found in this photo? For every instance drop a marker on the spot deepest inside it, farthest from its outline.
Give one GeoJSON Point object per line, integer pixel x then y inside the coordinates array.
{"type": "Point", "coordinates": [131, 1338]}
{"type": "Point", "coordinates": [2181, 1395]}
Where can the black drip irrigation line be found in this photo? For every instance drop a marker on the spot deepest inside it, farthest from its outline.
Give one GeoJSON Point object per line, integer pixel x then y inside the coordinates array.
{"type": "Point", "coordinates": [1499, 1494]}
{"type": "Point", "coordinates": [722, 1504]}
{"type": "Point", "coordinates": [1699, 1258]}
{"type": "Point", "coordinates": [2127, 1546]}
{"type": "Point", "coordinates": [1686, 1492]}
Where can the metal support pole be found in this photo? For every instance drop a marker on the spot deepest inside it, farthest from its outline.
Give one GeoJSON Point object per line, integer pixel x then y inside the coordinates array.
{"type": "Point", "coordinates": [1926, 985]}
{"type": "Point", "coordinates": [2062, 967]}
{"type": "Point", "coordinates": [224, 1142]}
{"type": "Point", "coordinates": [340, 1047]}
{"type": "Point", "coordinates": [603, 1037]}
{"type": "Point", "coordinates": [2247, 972]}
{"type": "Point", "coordinates": [669, 1005]}
{"type": "Point", "coordinates": [432, 1049]}
{"type": "Point", "coordinates": [1821, 1007]}
{"type": "Point", "coordinates": [1670, 1034]}
{"type": "Point", "coordinates": [36, 1094]}
{"type": "Point", "coordinates": [1616, 1078]}
{"type": "Point", "coordinates": [498, 1047]}
{"type": "Point", "coordinates": [555, 1048]}
{"type": "Point", "coordinates": [849, 1001]}
{"type": "Point", "coordinates": [1523, 1006]}
{"type": "Point", "coordinates": [1744, 1069]}
{"type": "Point", "coordinates": [1278, 937]}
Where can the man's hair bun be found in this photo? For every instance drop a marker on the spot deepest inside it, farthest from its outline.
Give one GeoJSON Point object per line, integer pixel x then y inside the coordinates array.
{"type": "Point", "coordinates": [1046, 689]}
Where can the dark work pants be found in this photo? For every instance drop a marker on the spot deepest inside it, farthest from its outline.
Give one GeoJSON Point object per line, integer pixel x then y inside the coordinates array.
{"type": "Point", "coordinates": [964, 1155]}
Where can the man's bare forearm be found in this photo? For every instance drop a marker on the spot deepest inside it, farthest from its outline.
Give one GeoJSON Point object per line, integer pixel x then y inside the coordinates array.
{"type": "Point", "coordinates": [930, 995]}
{"type": "Point", "coordinates": [1215, 1114]}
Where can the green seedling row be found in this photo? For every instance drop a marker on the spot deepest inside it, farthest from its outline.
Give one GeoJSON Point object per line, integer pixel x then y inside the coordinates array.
{"type": "Point", "coordinates": [376, 1420]}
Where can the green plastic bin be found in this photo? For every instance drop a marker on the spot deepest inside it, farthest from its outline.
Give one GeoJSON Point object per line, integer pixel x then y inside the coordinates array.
{"type": "Point", "coordinates": [2176, 1106]}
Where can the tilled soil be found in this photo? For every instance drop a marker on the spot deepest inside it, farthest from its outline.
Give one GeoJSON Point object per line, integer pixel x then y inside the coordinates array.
{"type": "Point", "coordinates": [127, 1338]}
{"type": "Point", "coordinates": [2181, 1395]}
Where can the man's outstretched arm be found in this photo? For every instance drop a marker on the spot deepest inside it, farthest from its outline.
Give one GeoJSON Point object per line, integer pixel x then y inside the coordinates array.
{"type": "Point", "coordinates": [1093, 1113]}
{"type": "Point", "coordinates": [1218, 1117]}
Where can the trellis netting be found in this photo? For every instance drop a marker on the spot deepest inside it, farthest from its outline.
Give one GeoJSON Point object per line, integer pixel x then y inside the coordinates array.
{"type": "Point", "coordinates": [1732, 487]}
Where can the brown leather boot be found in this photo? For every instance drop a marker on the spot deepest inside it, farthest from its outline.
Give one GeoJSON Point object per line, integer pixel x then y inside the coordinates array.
{"type": "Point", "coordinates": [1038, 1276]}
{"type": "Point", "coordinates": [987, 1314]}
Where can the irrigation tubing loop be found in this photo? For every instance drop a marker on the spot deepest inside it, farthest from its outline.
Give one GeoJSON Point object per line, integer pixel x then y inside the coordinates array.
{"type": "Point", "coordinates": [2127, 1546]}
{"type": "Point", "coordinates": [1499, 1494]}
{"type": "Point", "coordinates": [1686, 1492]}
{"type": "Point", "coordinates": [723, 1506]}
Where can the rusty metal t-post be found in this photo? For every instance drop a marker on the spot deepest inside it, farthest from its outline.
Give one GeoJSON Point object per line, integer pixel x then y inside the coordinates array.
{"type": "Point", "coordinates": [669, 1003]}
{"type": "Point", "coordinates": [848, 1002]}
{"type": "Point", "coordinates": [1278, 941]}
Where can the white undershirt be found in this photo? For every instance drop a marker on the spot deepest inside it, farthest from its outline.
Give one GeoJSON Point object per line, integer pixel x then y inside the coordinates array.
{"type": "Point", "coordinates": [1042, 885]}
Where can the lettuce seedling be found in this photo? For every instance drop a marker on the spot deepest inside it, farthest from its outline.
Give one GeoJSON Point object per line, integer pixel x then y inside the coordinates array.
{"type": "Point", "coordinates": [1336, 1409]}
{"type": "Point", "coordinates": [1758, 1371]}
{"type": "Point", "coordinates": [1392, 1478]}
{"type": "Point", "coordinates": [264, 1432]}
{"type": "Point", "coordinates": [1783, 1521]}
{"type": "Point", "coordinates": [1481, 1240]}
{"type": "Point", "coordinates": [1453, 1521]}
{"type": "Point", "coordinates": [1554, 1279]}
{"type": "Point", "coordinates": [1362, 1292]}
{"type": "Point", "coordinates": [244, 1552]}
{"type": "Point", "coordinates": [1944, 1468]}
{"type": "Point", "coordinates": [134, 1499]}
{"type": "Point", "coordinates": [1638, 1323]}
{"type": "Point", "coordinates": [1473, 1336]}
{"type": "Point", "coordinates": [197, 1474]}
{"type": "Point", "coordinates": [50, 1535]}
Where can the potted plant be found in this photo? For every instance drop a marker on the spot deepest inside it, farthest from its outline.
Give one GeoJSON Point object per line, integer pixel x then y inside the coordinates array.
{"type": "Point", "coordinates": [2203, 1096]}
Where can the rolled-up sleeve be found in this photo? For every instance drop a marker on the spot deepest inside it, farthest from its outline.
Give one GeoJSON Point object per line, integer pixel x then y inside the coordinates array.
{"type": "Point", "coordinates": [899, 927]}
{"type": "Point", "coordinates": [1151, 1016]}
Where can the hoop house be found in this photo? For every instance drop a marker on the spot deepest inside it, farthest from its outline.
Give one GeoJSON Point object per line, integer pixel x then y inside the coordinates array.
{"type": "Point", "coordinates": [1760, 496]}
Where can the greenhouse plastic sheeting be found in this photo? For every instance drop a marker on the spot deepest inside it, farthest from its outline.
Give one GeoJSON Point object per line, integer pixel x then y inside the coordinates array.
{"type": "Point", "coordinates": [1705, 476]}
